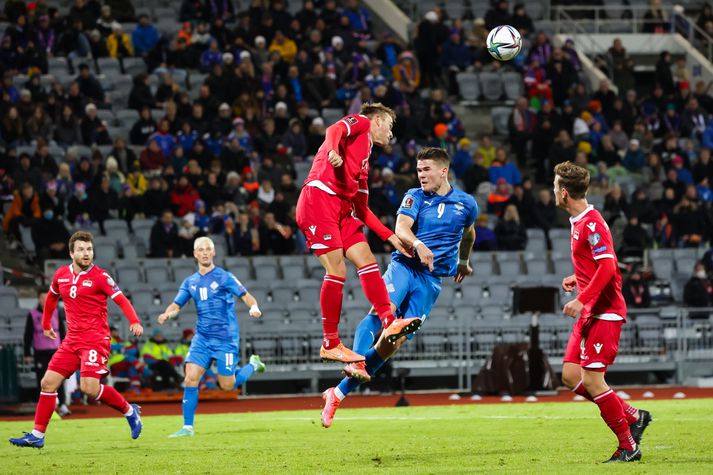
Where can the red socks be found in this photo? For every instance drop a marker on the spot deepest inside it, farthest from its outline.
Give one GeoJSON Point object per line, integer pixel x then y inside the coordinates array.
{"type": "Point", "coordinates": [375, 291]}
{"type": "Point", "coordinates": [110, 396]}
{"type": "Point", "coordinates": [45, 408]}
{"type": "Point", "coordinates": [629, 411]}
{"type": "Point", "coordinates": [330, 300]}
{"type": "Point", "coordinates": [613, 414]}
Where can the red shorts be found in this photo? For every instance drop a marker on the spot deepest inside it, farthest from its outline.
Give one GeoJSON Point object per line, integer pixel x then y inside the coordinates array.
{"type": "Point", "coordinates": [594, 343]}
{"type": "Point", "coordinates": [87, 357]}
{"type": "Point", "coordinates": [327, 221]}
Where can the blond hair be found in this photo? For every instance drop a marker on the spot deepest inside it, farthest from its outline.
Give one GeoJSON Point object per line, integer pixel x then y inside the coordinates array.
{"type": "Point", "coordinates": [375, 108]}
{"type": "Point", "coordinates": [203, 240]}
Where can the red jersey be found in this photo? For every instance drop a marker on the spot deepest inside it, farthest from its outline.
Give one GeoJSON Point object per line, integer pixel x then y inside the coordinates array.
{"type": "Point", "coordinates": [355, 150]}
{"type": "Point", "coordinates": [85, 301]}
{"type": "Point", "coordinates": [591, 241]}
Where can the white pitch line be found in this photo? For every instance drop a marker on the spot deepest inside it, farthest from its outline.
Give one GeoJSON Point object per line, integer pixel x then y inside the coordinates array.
{"type": "Point", "coordinates": [461, 417]}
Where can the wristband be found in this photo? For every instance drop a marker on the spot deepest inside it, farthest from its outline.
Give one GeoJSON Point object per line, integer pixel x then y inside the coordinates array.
{"type": "Point", "coordinates": [463, 262]}
{"type": "Point", "coordinates": [254, 308]}
{"type": "Point", "coordinates": [417, 243]}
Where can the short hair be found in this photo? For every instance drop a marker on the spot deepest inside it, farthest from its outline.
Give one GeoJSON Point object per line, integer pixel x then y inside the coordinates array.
{"type": "Point", "coordinates": [436, 154]}
{"type": "Point", "coordinates": [573, 178]}
{"type": "Point", "coordinates": [203, 240]}
{"type": "Point", "coordinates": [84, 236]}
{"type": "Point", "coordinates": [374, 108]}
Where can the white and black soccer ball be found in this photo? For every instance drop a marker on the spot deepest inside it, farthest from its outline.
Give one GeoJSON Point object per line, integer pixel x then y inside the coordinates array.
{"type": "Point", "coordinates": [504, 42]}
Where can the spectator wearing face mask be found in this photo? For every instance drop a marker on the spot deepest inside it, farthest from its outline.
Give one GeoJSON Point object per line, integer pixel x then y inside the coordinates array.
{"type": "Point", "coordinates": [698, 291]}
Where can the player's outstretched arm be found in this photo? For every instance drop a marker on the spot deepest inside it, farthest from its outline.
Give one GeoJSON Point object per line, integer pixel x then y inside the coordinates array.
{"type": "Point", "coordinates": [170, 312]}
{"type": "Point", "coordinates": [464, 250]}
{"type": "Point", "coordinates": [125, 305]}
{"type": "Point", "coordinates": [333, 135]}
{"type": "Point", "coordinates": [251, 303]}
{"type": "Point", "coordinates": [406, 235]}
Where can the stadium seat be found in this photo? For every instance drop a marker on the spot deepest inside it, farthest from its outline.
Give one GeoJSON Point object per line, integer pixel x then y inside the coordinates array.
{"type": "Point", "coordinates": [282, 294]}
{"type": "Point", "coordinates": [265, 267]}
{"type": "Point", "coordinates": [331, 115]}
{"type": "Point", "coordinates": [563, 267]}
{"type": "Point", "coordinates": [127, 273]}
{"type": "Point", "coordinates": [134, 66]}
{"type": "Point", "coordinates": [8, 298]}
{"type": "Point", "coordinates": [469, 86]}
{"type": "Point", "coordinates": [142, 300]}
{"type": "Point", "coordinates": [108, 67]}
{"type": "Point", "coordinates": [154, 275]}
{"type": "Point", "coordinates": [182, 268]}
{"type": "Point", "coordinates": [500, 116]}
{"type": "Point", "coordinates": [293, 272]}
{"type": "Point", "coordinates": [492, 84]}
{"type": "Point", "coordinates": [512, 82]}
{"type": "Point", "coordinates": [239, 266]}
{"type": "Point", "coordinates": [537, 267]}
{"type": "Point", "coordinates": [510, 268]}
{"type": "Point", "coordinates": [663, 268]}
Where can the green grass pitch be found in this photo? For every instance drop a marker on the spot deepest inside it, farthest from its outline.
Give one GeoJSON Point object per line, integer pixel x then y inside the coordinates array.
{"type": "Point", "coordinates": [505, 438]}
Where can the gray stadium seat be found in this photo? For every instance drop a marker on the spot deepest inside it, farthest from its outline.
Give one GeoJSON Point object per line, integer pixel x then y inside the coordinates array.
{"type": "Point", "coordinates": [8, 298]}
{"type": "Point", "coordinates": [134, 66]}
{"type": "Point", "coordinates": [331, 115]}
{"type": "Point", "coordinates": [511, 268]}
{"type": "Point", "coordinates": [109, 67]}
{"type": "Point", "coordinates": [282, 295]}
{"type": "Point", "coordinates": [142, 300]}
{"type": "Point", "coordinates": [469, 86]}
{"type": "Point", "coordinates": [155, 275]}
{"type": "Point", "coordinates": [492, 84]}
{"type": "Point", "coordinates": [513, 85]}
{"type": "Point", "coordinates": [127, 273]}
{"type": "Point", "coordinates": [563, 267]}
{"type": "Point", "coordinates": [265, 268]}
{"type": "Point", "coordinates": [500, 116]}
{"type": "Point", "coordinates": [663, 268]}
{"type": "Point", "coordinates": [292, 272]}
{"type": "Point", "coordinates": [239, 266]}
{"type": "Point", "coordinates": [182, 268]}
{"type": "Point", "coordinates": [536, 267]}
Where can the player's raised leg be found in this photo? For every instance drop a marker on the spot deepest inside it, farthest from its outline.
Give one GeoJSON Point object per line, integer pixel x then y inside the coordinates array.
{"type": "Point", "coordinates": [194, 373]}
{"type": "Point", "coordinates": [255, 365]}
{"type": "Point", "coordinates": [330, 300]}
{"type": "Point", "coordinates": [93, 388]}
{"type": "Point", "coordinates": [49, 385]}
{"type": "Point", "coordinates": [375, 291]}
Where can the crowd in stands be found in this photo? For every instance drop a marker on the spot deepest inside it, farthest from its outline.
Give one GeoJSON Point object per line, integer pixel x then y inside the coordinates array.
{"type": "Point", "coordinates": [223, 156]}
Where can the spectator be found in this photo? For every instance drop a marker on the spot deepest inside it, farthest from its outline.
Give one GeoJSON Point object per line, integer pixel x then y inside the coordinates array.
{"type": "Point", "coordinates": [689, 223]}
{"type": "Point", "coordinates": [485, 239]}
{"type": "Point", "coordinates": [498, 15]}
{"type": "Point", "coordinates": [164, 237]}
{"type": "Point", "coordinates": [25, 208]}
{"type": "Point", "coordinates": [655, 19]}
{"type": "Point", "coordinates": [521, 126]}
{"type": "Point", "coordinates": [275, 238]}
{"type": "Point", "coordinates": [430, 36]}
{"type": "Point", "coordinates": [634, 159]}
{"type": "Point", "coordinates": [499, 198]}
{"type": "Point", "coordinates": [94, 130]}
{"type": "Point", "coordinates": [635, 239]}
{"type": "Point", "coordinates": [141, 96]}
{"type": "Point", "coordinates": [246, 240]}
{"type": "Point", "coordinates": [156, 198]}
{"type": "Point", "coordinates": [184, 197]}
{"type": "Point", "coordinates": [476, 173]}
{"type": "Point", "coordinates": [698, 291]}
{"type": "Point", "coordinates": [152, 158]}
{"type": "Point", "coordinates": [49, 236]}
{"type": "Point", "coordinates": [284, 46]}
{"type": "Point", "coordinates": [39, 349]}
{"type": "Point", "coordinates": [503, 168]}
{"type": "Point", "coordinates": [118, 43]}
{"type": "Point", "coordinates": [67, 130]}
{"type": "Point", "coordinates": [636, 291]}
{"type": "Point", "coordinates": [104, 202]}
{"type": "Point", "coordinates": [89, 86]}
{"type": "Point", "coordinates": [145, 36]}
{"type": "Point", "coordinates": [156, 355]}
{"type": "Point", "coordinates": [510, 233]}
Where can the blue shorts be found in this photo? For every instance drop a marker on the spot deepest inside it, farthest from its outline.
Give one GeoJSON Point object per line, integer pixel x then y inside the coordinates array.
{"type": "Point", "coordinates": [203, 351]}
{"type": "Point", "coordinates": [413, 292]}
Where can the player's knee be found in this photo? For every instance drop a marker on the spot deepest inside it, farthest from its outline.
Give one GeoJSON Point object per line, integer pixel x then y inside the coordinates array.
{"type": "Point", "coordinates": [594, 382]}
{"type": "Point", "coordinates": [569, 379]}
{"type": "Point", "coordinates": [91, 390]}
{"type": "Point", "coordinates": [190, 381]}
{"type": "Point", "coordinates": [48, 385]}
{"type": "Point", "coordinates": [226, 385]}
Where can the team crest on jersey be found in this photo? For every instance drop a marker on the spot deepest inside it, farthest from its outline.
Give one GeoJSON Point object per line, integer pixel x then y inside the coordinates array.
{"type": "Point", "coordinates": [459, 206]}
{"type": "Point", "coordinates": [407, 203]}
{"type": "Point", "coordinates": [214, 285]}
{"type": "Point", "coordinates": [594, 239]}
{"type": "Point", "coordinates": [327, 237]}
{"type": "Point", "coordinates": [576, 235]}
{"type": "Point", "coordinates": [87, 283]}
{"type": "Point", "coordinates": [591, 226]}
{"type": "Point", "coordinates": [110, 281]}
{"type": "Point", "coordinates": [351, 120]}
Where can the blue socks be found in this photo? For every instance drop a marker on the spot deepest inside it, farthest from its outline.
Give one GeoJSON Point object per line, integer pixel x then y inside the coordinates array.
{"type": "Point", "coordinates": [373, 364]}
{"type": "Point", "coordinates": [190, 402]}
{"type": "Point", "coordinates": [243, 374]}
{"type": "Point", "coordinates": [365, 334]}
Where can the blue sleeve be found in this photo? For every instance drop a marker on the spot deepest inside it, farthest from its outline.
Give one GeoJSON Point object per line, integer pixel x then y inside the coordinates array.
{"type": "Point", "coordinates": [183, 295]}
{"type": "Point", "coordinates": [234, 285]}
{"type": "Point", "coordinates": [473, 212]}
{"type": "Point", "coordinates": [410, 204]}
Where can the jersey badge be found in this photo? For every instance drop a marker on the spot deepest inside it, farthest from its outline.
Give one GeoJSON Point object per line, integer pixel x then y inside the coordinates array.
{"type": "Point", "coordinates": [351, 120]}
{"type": "Point", "coordinates": [576, 235]}
{"type": "Point", "coordinates": [110, 281]}
{"type": "Point", "coordinates": [62, 280]}
{"type": "Point", "coordinates": [594, 239]}
{"type": "Point", "coordinates": [214, 285]}
{"type": "Point", "coordinates": [87, 283]}
{"type": "Point", "coordinates": [598, 347]}
{"type": "Point", "coordinates": [327, 237]}
{"type": "Point", "coordinates": [313, 229]}
{"type": "Point", "coordinates": [459, 206]}
{"type": "Point", "coordinates": [408, 202]}
{"type": "Point", "coordinates": [591, 226]}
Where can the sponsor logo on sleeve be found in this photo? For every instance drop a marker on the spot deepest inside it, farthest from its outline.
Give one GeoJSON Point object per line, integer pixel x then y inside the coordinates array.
{"type": "Point", "coordinates": [599, 249]}
{"type": "Point", "coordinates": [351, 120]}
{"type": "Point", "coordinates": [407, 203]}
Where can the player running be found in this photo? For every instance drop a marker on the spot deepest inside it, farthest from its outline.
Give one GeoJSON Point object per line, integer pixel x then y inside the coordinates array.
{"type": "Point", "coordinates": [217, 335]}
{"type": "Point", "coordinates": [437, 221]}
{"type": "Point", "coordinates": [84, 288]}
{"type": "Point", "coordinates": [331, 211]}
{"type": "Point", "coordinates": [600, 305]}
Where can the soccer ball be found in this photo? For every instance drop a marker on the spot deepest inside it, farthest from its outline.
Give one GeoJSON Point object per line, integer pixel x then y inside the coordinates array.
{"type": "Point", "coordinates": [504, 42]}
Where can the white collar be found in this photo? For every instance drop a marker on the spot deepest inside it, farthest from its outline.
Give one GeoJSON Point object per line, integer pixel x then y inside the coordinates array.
{"type": "Point", "coordinates": [574, 219]}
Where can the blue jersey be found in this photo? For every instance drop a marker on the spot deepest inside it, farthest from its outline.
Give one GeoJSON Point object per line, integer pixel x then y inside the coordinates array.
{"type": "Point", "coordinates": [213, 295]}
{"type": "Point", "coordinates": [439, 222]}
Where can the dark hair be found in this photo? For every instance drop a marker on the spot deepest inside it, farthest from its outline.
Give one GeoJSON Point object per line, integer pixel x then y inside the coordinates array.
{"type": "Point", "coordinates": [83, 236]}
{"type": "Point", "coordinates": [573, 178]}
{"type": "Point", "coordinates": [436, 154]}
